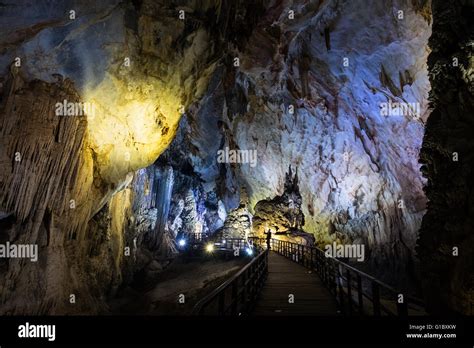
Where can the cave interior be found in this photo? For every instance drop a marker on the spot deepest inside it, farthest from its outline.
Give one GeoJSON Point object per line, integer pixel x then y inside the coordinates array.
{"type": "Point", "coordinates": [131, 131]}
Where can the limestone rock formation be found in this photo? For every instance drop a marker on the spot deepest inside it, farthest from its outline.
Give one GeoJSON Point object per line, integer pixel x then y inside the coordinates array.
{"type": "Point", "coordinates": [321, 91]}
{"type": "Point", "coordinates": [69, 180]}
{"type": "Point", "coordinates": [337, 90]}
{"type": "Point", "coordinates": [282, 214]}
{"type": "Point", "coordinates": [446, 240]}
{"type": "Point", "coordinates": [238, 223]}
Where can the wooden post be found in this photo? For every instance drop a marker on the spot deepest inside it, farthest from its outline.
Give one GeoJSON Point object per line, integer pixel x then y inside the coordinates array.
{"type": "Point", "coordinates": [235, 300]}
{"type": "Point", "coordinates": [402, 308]}
{"type": "Point", "coordinates": [221, 304]}
{"type": "Point", "coordinates": [376, 298]}
{"type": "Point", "coordinates": [341, 291]}
{"type": "Point", "coordinates": [349, 292]}
{"type": "Point", "coordinates": [334, 273]}
{"type": "Point", "coordinates": [244, 291]}
{"type": "Point", "coordinates": [360, 295]}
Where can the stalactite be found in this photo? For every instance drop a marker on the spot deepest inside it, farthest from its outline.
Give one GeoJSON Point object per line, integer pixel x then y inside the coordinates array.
{"type": "Point", "coordinates": [164, 181]}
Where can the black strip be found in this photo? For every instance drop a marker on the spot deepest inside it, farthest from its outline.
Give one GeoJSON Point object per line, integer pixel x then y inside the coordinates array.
{"type": "Point", "coordinates": [137, 330]}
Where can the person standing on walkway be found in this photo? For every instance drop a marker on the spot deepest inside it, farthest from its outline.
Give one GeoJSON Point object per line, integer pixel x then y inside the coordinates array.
{"type": "Point", "coordinates": [269, 238]}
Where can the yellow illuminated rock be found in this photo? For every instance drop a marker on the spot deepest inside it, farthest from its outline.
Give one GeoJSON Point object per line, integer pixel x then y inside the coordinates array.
{"type": "Point", "coordinates": [132, 125]}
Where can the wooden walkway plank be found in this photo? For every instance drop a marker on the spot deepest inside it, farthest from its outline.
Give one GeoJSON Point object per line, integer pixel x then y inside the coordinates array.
{"type": "Point", "coordinates": [286, 277]}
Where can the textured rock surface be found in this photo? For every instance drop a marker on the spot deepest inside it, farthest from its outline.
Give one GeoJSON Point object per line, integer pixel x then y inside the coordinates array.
{"type": "Point", "coordinates": [303, 91]}
{"type": "Point", "coordinates": [49, 193]}
{"type": "Point", "coordinates": [295, 103]}
{"type": "Point", "coordinates": [282, 214]}
{"type": "Point", "coordinates": [238, 223]}
{"type": "Point", "coordinates": [69, 190]}
{"type": "Point", "coordinates": [448, 164]}
{"type": "Point", "coordinates": [355, 165]}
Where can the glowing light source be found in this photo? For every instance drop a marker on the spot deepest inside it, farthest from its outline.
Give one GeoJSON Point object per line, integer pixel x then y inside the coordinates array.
{"type": "Point", "coordinates": [210, 248]}
{"type": "Point", "coordinates": [182, 242]}
{"type": "Point", "coordinates": [249, 251]}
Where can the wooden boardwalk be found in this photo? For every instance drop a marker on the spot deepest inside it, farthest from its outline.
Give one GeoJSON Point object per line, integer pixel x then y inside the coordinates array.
{"type": "Point", "coordinates": [286, 277]}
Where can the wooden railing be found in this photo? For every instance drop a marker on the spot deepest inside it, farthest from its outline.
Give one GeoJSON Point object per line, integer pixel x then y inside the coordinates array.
{"type": "Point", "coordinates": [356, 292]}
{"type": "Point", "coordinates": [232, 243]}
{"type": "Point", "coordinates": [238, 295]}
{"type": "Point", "coordinates": [227, 243]}
{"type": "Point", "coordinates": [196, 237]}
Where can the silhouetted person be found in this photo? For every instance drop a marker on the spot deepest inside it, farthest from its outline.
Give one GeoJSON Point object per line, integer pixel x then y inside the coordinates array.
{"type": "Point", "coordinates": [269, 238]}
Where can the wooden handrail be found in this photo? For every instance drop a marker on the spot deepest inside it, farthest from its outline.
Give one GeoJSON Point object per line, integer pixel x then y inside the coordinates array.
{"type": "Point", "coordinates": [331, 272]}
{"type": "Point", "coordinates": [243, 295]}
{"type": "Point", "coordinates": [336, 275]}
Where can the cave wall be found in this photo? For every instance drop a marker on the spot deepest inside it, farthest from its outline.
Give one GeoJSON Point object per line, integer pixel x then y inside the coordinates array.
{"type": "Point", "coordinates": [69, 183]}
{"type": "Point", "coordinates": [198, 205]}
{"type": "Point", "coordinates": [42, 163]}
{"type": "Point", "coordinates": [358, 170]}
{"type": "Point", "coordinates": [447, 160]}
{"type": "Point", "coordinates": [291, 99]}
